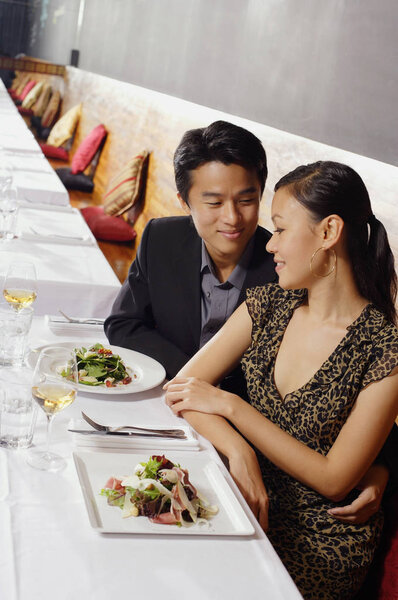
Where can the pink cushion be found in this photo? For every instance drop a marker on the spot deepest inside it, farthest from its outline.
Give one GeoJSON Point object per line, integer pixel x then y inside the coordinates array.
{"type": "Point", "coordinates": [87, 149]}
{"type": "Point", "coordinates": [105, 227]}
{"type": "Point", "coordinates": [53, 152]}
{"type": "Point", "coordinates": [27, 89]}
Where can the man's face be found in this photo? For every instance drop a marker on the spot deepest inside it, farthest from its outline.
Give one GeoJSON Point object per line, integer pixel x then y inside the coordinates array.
{"type": "Point", "coordinates": [224, 202]}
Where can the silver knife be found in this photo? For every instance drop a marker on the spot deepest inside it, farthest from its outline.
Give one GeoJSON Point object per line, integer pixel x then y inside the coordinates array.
{"type": "Point", "coordinates": [128, 433]}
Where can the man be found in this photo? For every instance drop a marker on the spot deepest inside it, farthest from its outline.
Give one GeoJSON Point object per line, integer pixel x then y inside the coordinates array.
{"type": "Point", "coordinates": [191, 272]}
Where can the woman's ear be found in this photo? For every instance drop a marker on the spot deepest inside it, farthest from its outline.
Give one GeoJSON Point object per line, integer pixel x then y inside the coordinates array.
{"type": "Point", "coordinates": [184, 205]}
{"type": "Point", "coordinates": [331, 229]}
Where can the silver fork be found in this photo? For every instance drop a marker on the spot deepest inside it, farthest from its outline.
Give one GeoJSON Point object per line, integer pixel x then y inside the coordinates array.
{"type": "Point", "coordinates": [92, 320]}
{"type": "Point", "coordinates": [177, 433]}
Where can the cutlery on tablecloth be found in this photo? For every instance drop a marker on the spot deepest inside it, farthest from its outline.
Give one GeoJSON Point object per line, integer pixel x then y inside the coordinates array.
{"type": "Point", "coordinates": [175, 433]}
{"type": "Point", "coordinates": [128, 434]}
{"type": "Point", "coordinates": [88, 321]}
{"type": "Point", "coordinates": [58, 235]}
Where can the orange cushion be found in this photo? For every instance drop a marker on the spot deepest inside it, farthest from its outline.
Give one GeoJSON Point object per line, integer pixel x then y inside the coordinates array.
{"type": "Point", "coordinates": [105, 227]}
{"type": "Point", "coordinates": [123, 190]}
{"type": "Point", "coordinates": [87, 149]}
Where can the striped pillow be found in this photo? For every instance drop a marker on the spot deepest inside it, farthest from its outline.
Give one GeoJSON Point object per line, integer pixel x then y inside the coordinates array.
{"type": "Point", "coordinates": [41, 104]}
{"type": "Point", "coordinates": [51, 111]}
{"type": "Point", "coordinates": [124, 189]}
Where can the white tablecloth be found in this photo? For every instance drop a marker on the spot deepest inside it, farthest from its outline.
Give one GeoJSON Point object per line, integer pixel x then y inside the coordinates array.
{"type": "Point", "coordinates": [49, 549]}
{"type": "Point", "coordinates": [72, 275]}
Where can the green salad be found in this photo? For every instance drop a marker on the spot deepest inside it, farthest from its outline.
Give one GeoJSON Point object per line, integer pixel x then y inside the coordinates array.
{"type": "Point", "coordinates": [100, 366]}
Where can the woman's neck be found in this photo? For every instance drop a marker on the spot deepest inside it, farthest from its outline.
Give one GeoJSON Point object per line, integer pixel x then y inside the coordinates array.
{"type": "Point", "coordinates": [336, 299]}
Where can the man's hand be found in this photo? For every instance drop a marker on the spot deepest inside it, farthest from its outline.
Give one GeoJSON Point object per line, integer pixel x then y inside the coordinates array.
{"type": "Point", "coordinates": [246, 473]}
{"type": "Point", "coordinates": [368, 502]}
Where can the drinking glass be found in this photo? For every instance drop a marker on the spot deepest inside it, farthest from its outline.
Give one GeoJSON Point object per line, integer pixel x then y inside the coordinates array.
{"type": "Point", "coordinates": [54, 388]}
{"type": "Point", "coordinates": [20, 285]}
{"type": "Point", "coordinates": [9, 213]}
{"type": "Point", "coordinates": [17, 408]}
{"type": "Point", "coordinates": [5, 174]}
{"type": "Point", "coordinates": [14, 333]}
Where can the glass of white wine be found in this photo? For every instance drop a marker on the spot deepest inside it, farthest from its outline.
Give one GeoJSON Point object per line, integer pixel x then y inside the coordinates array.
{"type": "Point", "coordinates": [20, 285]}
{"type": "Point", "coordinates": [54, 388]}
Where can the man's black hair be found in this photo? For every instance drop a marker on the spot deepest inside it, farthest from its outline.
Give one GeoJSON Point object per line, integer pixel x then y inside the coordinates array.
{"type": "Point", "coordinates": [223, 142]}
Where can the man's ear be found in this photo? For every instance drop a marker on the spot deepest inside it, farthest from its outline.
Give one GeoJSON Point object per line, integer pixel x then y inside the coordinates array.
{"type": "Point", "coordinates": [183, 204]}
{"type": "Point", "coordinates": [331, 229]}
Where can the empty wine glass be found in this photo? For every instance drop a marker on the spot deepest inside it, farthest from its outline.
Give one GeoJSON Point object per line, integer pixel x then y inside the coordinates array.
{"type": "Point", "coordinates": [5, 174]}
{"type": "Point", "coordinates": [9, 212]}
{"type": "Point", "coordinates": [20, 284]}
{"type": "Point", "coordinates": [54, 388]}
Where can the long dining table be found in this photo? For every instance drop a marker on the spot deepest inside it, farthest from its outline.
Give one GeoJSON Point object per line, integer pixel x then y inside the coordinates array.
{"type": "Point", "coordinates": [51, 544]}
{"type": "Point", "coordinates": [51, 549]}
{"type": "Point", "coordinates": [72, 273]}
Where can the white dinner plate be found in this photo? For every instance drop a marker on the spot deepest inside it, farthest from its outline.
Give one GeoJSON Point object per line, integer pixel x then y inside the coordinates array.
{"type": "Point", "coordinates": [94, 470]}
{"type": "Point", "coordinates": [150, 372]}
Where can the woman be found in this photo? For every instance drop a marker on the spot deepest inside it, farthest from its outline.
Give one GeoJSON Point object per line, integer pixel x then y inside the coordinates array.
{"type": "Point", "coordinates": [320, 356]}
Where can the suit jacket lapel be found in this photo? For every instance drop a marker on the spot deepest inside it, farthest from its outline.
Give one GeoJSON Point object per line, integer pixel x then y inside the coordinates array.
{"type": "Point", "coordinates": [187, 275]}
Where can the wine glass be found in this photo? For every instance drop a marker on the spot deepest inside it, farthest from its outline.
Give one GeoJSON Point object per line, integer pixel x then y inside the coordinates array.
{"type": "Point", "coordinates": [20, 284]}
{"type": "Point", "coordinates": [5, 174]}
{"type": "Point", "coordinates": [54, 388]}
{"type": "Point", "coordinates": [8, 212]}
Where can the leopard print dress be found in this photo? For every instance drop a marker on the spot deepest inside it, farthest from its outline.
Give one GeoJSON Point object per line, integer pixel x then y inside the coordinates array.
{"type": "Point", "coordinates": [326, 558]}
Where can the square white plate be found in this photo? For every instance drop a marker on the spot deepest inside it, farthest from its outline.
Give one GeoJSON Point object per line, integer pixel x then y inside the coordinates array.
{"type": "Point", "coordinates": [94, 469]}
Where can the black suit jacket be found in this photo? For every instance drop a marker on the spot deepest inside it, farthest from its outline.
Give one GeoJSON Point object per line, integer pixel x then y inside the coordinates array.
{"type": "Point", "coordinates": [158, 309]}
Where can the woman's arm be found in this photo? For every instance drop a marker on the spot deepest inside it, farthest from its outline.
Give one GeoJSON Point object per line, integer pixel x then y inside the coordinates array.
{"type": "Point", "coordinates": [216, 359]}
{"type": "Point", "coordinates": [334, 475]}
{"type": "Point", "coordinates": [368, 502]}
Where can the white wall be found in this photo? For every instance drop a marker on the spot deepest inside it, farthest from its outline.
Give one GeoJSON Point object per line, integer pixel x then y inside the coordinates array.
{"type": "Point", "coordinates": [322, 69]}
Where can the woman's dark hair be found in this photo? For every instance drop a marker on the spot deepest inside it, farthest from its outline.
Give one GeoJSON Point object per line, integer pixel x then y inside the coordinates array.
{"type": "Point", "coordinates": [223, 142]}
{"type": "Point", "coordinates": [325, 188]}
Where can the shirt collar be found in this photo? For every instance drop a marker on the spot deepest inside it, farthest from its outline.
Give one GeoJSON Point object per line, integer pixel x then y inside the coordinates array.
{"type": "Point", "coordinates": [238, 275]}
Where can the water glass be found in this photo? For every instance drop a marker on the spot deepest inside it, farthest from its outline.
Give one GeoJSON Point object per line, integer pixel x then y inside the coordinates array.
{"type": "Point", "coordinates": [8, 214]}
{"type": "Point", "coordinates": [14, 332]}
{"type": "Point", "coordinates": [18, 411]}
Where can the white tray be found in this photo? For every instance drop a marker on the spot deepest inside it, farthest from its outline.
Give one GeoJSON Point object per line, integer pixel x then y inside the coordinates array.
{"type": "Point", "coordinates": [94, 469]}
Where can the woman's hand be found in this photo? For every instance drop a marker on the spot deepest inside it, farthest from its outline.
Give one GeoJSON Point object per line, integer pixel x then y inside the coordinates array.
{"type": "Point", "coordinates": [190, 393]}
{"type": "Point", "coordinates": [368, 502]}
{"type": "Point", "coordinates": [245, 471]}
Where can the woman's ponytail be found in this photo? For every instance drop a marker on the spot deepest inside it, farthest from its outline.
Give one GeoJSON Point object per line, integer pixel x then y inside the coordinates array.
{"type": "Point", "coordinates": [325, 188]}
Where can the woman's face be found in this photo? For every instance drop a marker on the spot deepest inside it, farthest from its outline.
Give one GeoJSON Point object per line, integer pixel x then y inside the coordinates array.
{"type": "Point", "coordinates": [296, 237]}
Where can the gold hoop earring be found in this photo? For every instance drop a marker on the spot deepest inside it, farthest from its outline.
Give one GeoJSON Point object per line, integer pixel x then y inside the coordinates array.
{"type": "Point", "coordinates": [331, 270]}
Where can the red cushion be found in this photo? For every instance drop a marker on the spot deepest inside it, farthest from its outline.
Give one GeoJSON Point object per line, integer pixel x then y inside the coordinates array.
{"type": "Point", "coordinates": [53, 152]}
{"type": "Point", "coordinates": [388, 589]}
{"type": "Point", "coordinates": [87, 149]}
{"type": "Point", "coordinates": [26, 90]}
{"type": "Point", "coordinates": [25, 111]}
{"type": "Point", "coordinates": [106, 227]}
